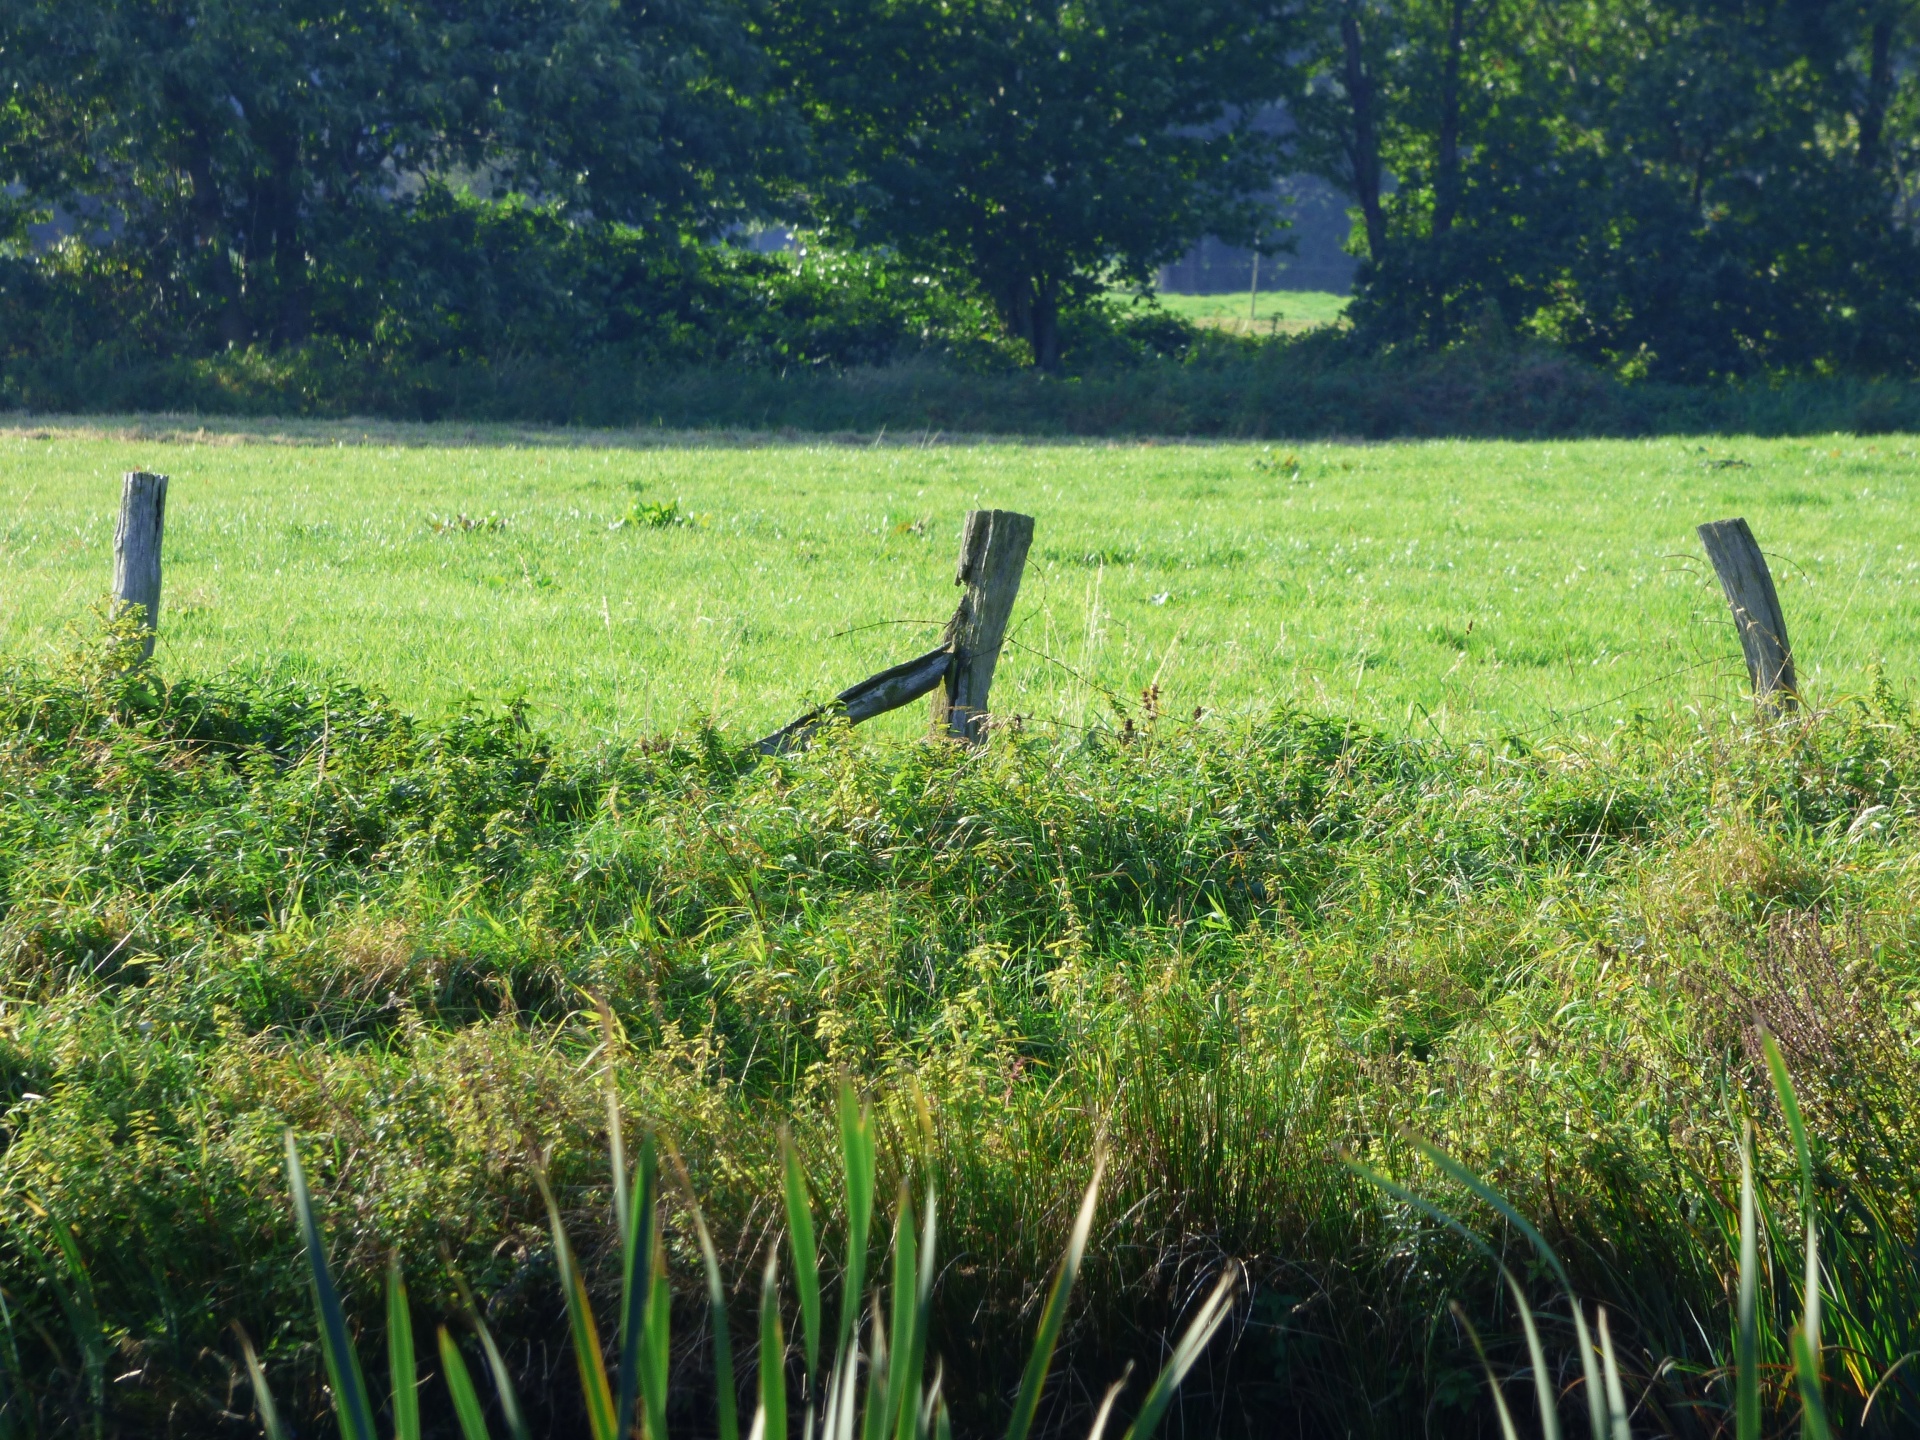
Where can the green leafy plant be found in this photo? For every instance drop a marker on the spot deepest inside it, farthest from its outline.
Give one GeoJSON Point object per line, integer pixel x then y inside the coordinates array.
{"type": "Point", "coordinates": [1608, 1412]}
{"type": "Point", "coordinates": [876, 1384]}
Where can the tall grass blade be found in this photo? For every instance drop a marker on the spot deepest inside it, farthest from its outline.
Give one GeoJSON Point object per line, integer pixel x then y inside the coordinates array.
{"type": "Point", "coordinates": [497, 1364]}
{"type": "Point", "coordinates": [617, 1153]}
{"type": "Point", "coordinates": [872, 1414]}
{"type": "Point", "coordinates": [1806, 1348]}
{"type": "Point", "coordinates": [1790, 1107]}
{"type": "Point", "coordinates": [899, 1403]}
{"type": "Point", "coordinates": [856, 1149]}
{"type": "Point", "coordinates": [1105, 1412]}
{"type": "Point", "coordinates": [11, 1383]}
{"type": "Point", "coordinates": [1590, 1372]}
{"type": "Point", "coordinates": [1543, 1396]}
{"type": "Point", "coordinates": [655, 1352]}
{"type": "Point", "coordinates": [806, 1254]}
{"type": "Point", "coordinates": [770, 1420]}
{"type": "Point", "coordinates": [269, 1413]}
{"type": "Point", "coordinates": [1040, 1359]}
{"type": "Point", "coordinates": [1810, 1317]}
{"type": "Point", "coordinates": [636, 1287]}
{"type": "Point", "coordinates": [921, 1414]}
{"type": "Point", "coordinates": [727, 1402]}
{"type": "Point", "coordinates": [401, 1369]}
{"type": "Point", "coordinates": [466, 1400]}
{"type": "Point", "coordinates": [586, 1335]}
{"type": "Point", "coordinates": [1617, 1410]}
{"type": "Point", "coordinates": [1813, 1409]}
{"type": "Point", "coordinates": [1746, 1379]}
{"type": "Point", "coordinates": [1507, 1430]}
{"type": "Point", "coordinates": [1186, 1351]}
{"type": "Point", "coordinates": [74, 1289]}
{"type": "Point", "coordinates": [350, 1402]}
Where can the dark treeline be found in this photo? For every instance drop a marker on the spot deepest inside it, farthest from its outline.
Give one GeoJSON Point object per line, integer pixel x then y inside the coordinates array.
{"type": "Point", "coordinates": [1680, 190]}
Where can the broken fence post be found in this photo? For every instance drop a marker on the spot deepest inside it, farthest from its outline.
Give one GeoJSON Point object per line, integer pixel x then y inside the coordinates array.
{"type": "Point", "coordinates": [1748, 584]}
{"type": "Point", "coordinates": [877, 694]}
{"type": "Point", "coordinates": [136, 550]}
{"type": "Point", "coordinates": [993, 552]}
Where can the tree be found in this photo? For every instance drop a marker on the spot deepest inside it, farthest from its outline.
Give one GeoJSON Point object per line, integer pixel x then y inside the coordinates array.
{"type": "Point", "coordinates": [240, 142]}
{"type": "Point", "coordinates": [1039, 151]}
{"type": "Point", "coordinates": [1683, 188]}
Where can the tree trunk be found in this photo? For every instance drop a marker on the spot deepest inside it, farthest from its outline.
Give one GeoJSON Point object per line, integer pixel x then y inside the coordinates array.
{"type": "Point", "coordinates": [289, 255]}
{"type": "Point", "coordinates": [1046, 327]}
{"type": "Point", "coordinates": [1031, 310]}
{"type": "Point", "coordinates": [210, 234]}
{"type": "Point", "coordinates": [1873, 113]}
{"type": "Point", "coordinates": [1363, 140]}
{"type": "Point", "coordinates": [1446, 171]}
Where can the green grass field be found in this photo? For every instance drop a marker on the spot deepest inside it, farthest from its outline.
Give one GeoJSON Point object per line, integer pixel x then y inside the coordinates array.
{"type": "Point", "coordinates": [434, 940]}
{"type": "Point", "coordinates": [1269, 312]}
{"type": "Point", "coordinates": [1461, 589]}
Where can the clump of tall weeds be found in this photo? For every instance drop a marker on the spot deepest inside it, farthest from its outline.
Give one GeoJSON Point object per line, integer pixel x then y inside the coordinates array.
{"type": "Point", "coordinates": [1221, 953]}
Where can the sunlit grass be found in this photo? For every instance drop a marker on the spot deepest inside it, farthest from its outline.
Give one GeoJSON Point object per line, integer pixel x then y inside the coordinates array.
{"type": "Point", "coordinates": [1456, 589]}
{"type": "Point", "coordinates": [1260, 312]}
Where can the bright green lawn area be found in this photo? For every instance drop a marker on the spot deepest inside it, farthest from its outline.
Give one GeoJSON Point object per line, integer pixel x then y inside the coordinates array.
{"type": "Point", "coordinates": [1295, 309]}
{"type": "Point", "coordinates": [1460, 588]}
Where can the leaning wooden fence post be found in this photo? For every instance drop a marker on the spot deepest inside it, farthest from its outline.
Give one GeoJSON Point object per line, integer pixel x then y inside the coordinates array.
{"type": "Point", "coordinates": [136, 550]}
{"type": "Point", "coordinates": [993, 552]}
{"type": "Point", "coordinates": [1748, 584]}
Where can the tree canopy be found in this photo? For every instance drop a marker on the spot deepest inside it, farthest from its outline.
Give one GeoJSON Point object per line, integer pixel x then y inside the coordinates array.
{"type": "Point", "coordinates": [1678, 189]}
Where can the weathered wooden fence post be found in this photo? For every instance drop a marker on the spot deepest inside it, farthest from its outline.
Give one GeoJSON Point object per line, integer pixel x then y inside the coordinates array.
{"type": "Point", "coordinates": [136, 550]}
{"type": "Point", "coordinates": [1748, 584]}
{"type": "Point", "coordinates": [993, 552]}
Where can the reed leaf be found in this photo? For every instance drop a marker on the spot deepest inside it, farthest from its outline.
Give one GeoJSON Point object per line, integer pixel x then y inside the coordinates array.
{"type": "Point", "coordinates": [770, 1418]}
{"type": "Point", "coordinates": [1107, 1401]}
{"type": "Point", "coordinates": [496, 1363]}
{"type": "Point", "coordinates": [637, 1237]}
{"type": "Point", "coordinates": [1543, 1396]}
{"type": "Point", "coordinates": [726, 1402]}
{"type": "Point", "coordinates": [466, 1400]}
{"type": "Point", "coordinates": [856, 1149]}
{"type": "Point", "coordinates": [401, 1369]}
{"type": "Point", "coordinates": [1507, 1430]}
{"type": "Point", "coordinates": [1790, 1107]}
{"type": "Point", "coordinates": [1040, 1359]}
{"type": "Point", "coordinates": [586, 1335]}
{"type": "Point", "coordinates": [1617, 1412]}
{"type": "Point", "coordinates": [655, 1352]}
{"type": "Point", "coordinates": [1746, 1380]}
{"type": "Point", "coordinates": [269, 1413]}
{"type": "Point", "coordinates": [1596, 1404]}
{"type": "Point", "coordinates": [1186, 1351]}
{"type": "Point", "coordinates": [350, 1402]}
{"type": "Point", "coordinates": [805, 1252]}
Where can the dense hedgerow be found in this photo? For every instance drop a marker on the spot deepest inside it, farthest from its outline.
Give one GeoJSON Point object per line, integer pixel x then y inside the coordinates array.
{"type": "Point", "coordinates": [1233, 952]}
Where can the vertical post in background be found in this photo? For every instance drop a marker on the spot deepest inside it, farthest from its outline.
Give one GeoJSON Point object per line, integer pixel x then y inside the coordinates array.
{"type": "Point", "coordinates": [993, 553]}
{"type": "Point", "coordinates": [136, 550]}
{"type": "Point", "coordinates": [1748, 585]}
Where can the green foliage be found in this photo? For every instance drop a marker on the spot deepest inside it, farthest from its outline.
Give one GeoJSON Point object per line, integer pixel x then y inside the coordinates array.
{"type": "Point", "coordinates": [1038, 153]}
{"type": "Point", "coordinates": [897, 1403]}
{"type": "Point", "coordinates": [1221, 952]}
{"type": "Point", "coordinates": [1679, 190]}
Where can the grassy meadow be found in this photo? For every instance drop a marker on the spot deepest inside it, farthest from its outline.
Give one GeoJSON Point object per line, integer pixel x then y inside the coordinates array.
{"type": "Point", "coordinates": [1464, 589]}
{"type": "Point", "coordinates": [1266, 312]}
{"type": "Point", "coordinates": [1450, 820]}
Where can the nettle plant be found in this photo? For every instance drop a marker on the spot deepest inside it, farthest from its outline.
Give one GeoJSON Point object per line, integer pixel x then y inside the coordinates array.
{"type": "Point", "coordinates": [876, 1385]}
